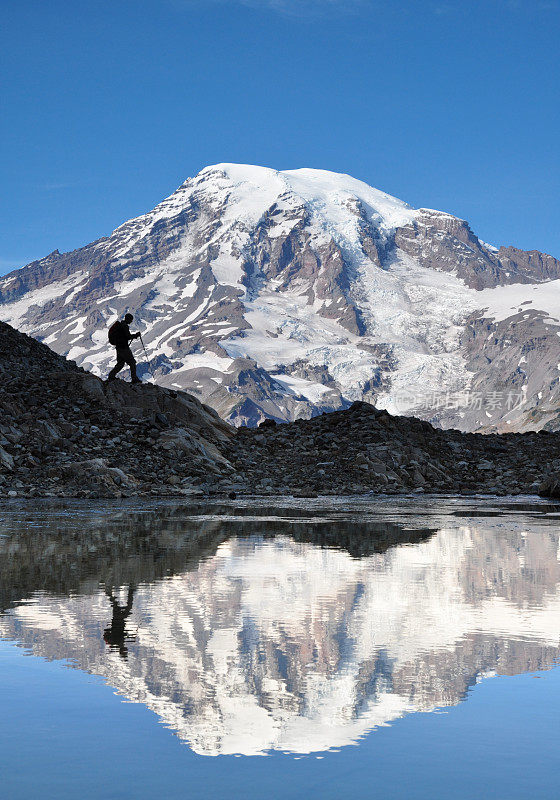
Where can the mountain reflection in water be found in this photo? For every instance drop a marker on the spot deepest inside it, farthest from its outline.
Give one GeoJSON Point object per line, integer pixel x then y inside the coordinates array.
{"type": "Point", "coordinates": [247, 635]}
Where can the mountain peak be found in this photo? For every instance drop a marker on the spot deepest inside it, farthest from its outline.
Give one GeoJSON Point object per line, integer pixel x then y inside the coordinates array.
{"type": "Point", "coordinates": [319, 189]}
{"type": "Point", "coordinates": [286, 293]}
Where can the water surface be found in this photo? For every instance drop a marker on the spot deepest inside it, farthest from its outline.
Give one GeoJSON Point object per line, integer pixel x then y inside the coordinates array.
{"type": "Point", "coordinates": [402, 648]}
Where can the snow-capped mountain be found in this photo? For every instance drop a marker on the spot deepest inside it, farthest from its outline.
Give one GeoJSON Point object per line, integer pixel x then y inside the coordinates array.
{"type": "Point", "coordinates": [275, 644]}
{"type": "Point", "coordinates": [285, 294]}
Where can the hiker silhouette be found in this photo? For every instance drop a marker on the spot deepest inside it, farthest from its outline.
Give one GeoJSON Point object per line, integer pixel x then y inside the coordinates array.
{"type": "Point", "coordinates": [120, 336]}
{"type": "Point", "coordinates": [116, 634]}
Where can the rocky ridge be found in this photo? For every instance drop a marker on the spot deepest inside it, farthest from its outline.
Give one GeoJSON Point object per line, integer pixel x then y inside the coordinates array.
{"type": "Point", "coordinates": [65, 432]}
{"type": "Point", "coordinates": [363, 449]}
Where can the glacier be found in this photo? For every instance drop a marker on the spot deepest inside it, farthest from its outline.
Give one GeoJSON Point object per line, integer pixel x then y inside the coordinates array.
{"type": "Point", "coordinates": [285, 294]}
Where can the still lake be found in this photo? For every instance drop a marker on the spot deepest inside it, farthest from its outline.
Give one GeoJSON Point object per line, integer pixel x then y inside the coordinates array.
{"type": "Point", "coordinates": [325, 648]}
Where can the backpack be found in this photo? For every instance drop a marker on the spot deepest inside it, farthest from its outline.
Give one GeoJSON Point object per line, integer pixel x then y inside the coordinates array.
{"type": "Point", "coordinates": [114, 330]}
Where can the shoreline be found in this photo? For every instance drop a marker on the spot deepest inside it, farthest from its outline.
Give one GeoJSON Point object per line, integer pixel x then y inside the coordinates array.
{"type": "Point", "coordinates": [194, 500]}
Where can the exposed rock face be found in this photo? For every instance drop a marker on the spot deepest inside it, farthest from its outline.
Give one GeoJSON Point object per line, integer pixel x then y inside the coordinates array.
{"type": "Point", "coordinates": [287, 294]}
{"type": "Point", "coordinates": [63, 431]}
{"type": "Point", "coordinates": [443, 242]}
{"type": "Point", "coordinates": [531, 265]}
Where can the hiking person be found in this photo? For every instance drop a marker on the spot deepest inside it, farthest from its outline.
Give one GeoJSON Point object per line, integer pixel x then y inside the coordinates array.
{"type": "Point", "coordinates": [120, 336]}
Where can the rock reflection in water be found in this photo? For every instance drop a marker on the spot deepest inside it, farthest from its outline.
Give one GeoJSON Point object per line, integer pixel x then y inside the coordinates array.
{"type": "Point", "coordinates": [248, 636]}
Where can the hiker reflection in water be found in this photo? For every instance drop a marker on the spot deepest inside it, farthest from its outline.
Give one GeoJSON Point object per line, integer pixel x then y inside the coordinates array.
{"type": "Point", "coordinates": [116, 634]}
{"type": "Point", "coordinates": [120, 337]}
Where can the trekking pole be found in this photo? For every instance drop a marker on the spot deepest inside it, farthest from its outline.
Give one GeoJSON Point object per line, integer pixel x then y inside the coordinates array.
{"type": "Point", "coordinates": [147, 359]}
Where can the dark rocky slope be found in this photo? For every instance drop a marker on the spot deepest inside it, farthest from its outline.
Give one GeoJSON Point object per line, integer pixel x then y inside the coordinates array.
{"type": "Point", "coordinates": [364, 450]}
{"type": "Point", "coordinates": [64, 432]}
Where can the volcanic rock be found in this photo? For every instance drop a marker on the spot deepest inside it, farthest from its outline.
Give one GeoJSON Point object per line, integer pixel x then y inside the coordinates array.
{"type": "Point", "coordinates": [66, 432]}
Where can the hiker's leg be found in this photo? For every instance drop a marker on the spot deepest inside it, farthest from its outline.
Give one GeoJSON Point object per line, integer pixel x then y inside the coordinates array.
{"type": "Point", "coordinates": [130, 360]}
{"type": "Point", "coordinates": [117, 368]}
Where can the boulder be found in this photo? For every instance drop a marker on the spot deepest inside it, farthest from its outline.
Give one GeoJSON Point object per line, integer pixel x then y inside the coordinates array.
{"type": "Point", "coordinates": [550, 487]}
{"type": "Point", "coordinates": [6, 461]}
{"type": "Point", "coordinates": [94, 469]}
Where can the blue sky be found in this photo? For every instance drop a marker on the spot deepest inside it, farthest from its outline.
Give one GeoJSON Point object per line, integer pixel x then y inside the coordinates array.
{"type": "Point", "coordinates": [108, 106]}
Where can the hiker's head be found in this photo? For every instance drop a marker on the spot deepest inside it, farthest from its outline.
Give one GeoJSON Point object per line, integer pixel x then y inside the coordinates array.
{"type": "Point", "coordinates": [128, 318]}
